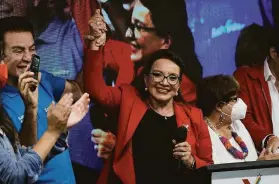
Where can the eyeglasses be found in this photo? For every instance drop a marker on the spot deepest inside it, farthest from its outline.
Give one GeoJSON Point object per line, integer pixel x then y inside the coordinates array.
{"type": "Point", "coordinates": [233, 99]}
{"type": "Point", "coordinates": [140, 27]}
{"type": "Point", "coordinates": [159, 77]}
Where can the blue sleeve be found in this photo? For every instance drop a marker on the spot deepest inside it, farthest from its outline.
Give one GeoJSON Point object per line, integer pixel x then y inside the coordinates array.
{"type": "Point", "coordinates": [57, 84]}
{"type": "Point", "coordinates": [79, 46]}
{"type": "Point", "coordinates": [24, 170]}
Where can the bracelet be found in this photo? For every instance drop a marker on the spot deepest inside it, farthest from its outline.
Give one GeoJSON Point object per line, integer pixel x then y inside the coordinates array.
{"type": "Point", "coordinates": [267, 139]}
{"type": "Point", "coordinates": [194, 163]}
{"type": "Point", "coordinates": [271, 138]}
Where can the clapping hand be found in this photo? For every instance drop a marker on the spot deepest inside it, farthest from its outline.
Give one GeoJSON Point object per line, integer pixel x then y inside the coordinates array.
{"type": "Point", "coordinates": [78, 110]}
{"type": "Point", "coordinates": [58, 114]}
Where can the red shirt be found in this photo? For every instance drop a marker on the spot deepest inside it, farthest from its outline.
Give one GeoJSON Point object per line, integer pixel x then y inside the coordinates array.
{"type": "Point", "coordinates": [254, 92]}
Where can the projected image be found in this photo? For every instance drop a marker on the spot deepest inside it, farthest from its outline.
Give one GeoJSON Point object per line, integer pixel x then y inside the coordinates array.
{"type": "Point", "coordinates": [215, 25]}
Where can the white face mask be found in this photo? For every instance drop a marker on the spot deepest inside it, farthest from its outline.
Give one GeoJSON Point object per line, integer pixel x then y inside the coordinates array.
{"type": "Point", "coordinates": [238, 110]}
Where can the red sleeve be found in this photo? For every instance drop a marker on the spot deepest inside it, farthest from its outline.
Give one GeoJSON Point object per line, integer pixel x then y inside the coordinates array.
{"type": "Point", "coordinates": [94, 83]}
{"type": "Point", "coordinates": [118, 57]}
{"type": "Point", "coordinates": [188, 90]}
{"type": "Point", "coordinates": [257, 132]}
{"type": "Point", "coordinates": [204, 148]}
{"type": "Point", "coordinates": [82, 11]}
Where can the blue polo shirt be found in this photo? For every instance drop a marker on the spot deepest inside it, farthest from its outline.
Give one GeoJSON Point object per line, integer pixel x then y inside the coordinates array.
{"type": "Point", "coordinates": [58, 169]}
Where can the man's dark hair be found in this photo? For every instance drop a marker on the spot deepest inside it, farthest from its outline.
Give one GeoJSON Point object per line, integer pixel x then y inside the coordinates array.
{"type": "Point", "coordinates": [13, 24]}
{"type": "Point", "coordinates": [273, 39]}
{"type": "Point", "coordinates": [252, 46]}
{"type": "Point", "coordinates": [139, 83]}
{"type": "Point", "coordinates": [170, 20]}
{"type": "Point", "coordinates": [215, 89]}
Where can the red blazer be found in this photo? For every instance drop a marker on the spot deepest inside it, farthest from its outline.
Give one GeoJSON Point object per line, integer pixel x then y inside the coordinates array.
{"type": "Point", "coordinates": [131, 109]}
{"type": "Point", "coordinates": [116, 55]}
{"type": "Point", "coordinates": [255, 93]}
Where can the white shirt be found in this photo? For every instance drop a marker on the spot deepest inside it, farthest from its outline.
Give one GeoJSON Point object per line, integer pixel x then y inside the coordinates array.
{"type": "Point", "coordinates": [220, 154]}
{"type": "Point", "coordinates": [270, 79]}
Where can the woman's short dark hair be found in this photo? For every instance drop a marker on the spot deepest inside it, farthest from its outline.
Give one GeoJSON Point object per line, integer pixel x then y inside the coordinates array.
{"type": "Point", "coordinates": [252, 46]}
{"type": "Point", "coordinates": [273, 39]}
{"type": "Point", "coordinates": [215, 89]}
{"type": "Point", "coordinates": [170, 20]}
{"type": "Point", "coordinates": [139, 84]}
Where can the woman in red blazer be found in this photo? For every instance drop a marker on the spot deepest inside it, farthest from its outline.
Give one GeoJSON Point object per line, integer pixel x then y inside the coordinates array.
{"type": "Point", "coordinates": [148, 113]}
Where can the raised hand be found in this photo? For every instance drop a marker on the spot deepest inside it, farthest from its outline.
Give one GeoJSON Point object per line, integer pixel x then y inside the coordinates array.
{"type": "Point", "coordinates": [58, 114]}
{"type": "Point", "coordinates": [78, 110]}
{"type": "Point", "coordinates": [97, 24]}
{"type": "Point", "coordinates": [97, 34]}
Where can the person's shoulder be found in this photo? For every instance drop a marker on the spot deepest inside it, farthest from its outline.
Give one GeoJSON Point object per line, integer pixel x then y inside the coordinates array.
{"type": "Point", "coordinates": [117, 44]}
{"type": "Point", "coordinates": [128, 88]}
{"type": "Point", "coordinates": [245, 71]}
{"type": "Point", "coordinates": [194, 113]}
{"type": "Point", "coordinates": [45, 75]}
{"type": "Point", "coordinates": [191, 108]}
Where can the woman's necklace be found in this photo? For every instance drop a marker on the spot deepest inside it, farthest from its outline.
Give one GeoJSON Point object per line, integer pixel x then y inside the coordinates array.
{"type": "Point", "coordinates": [166, 118]}
{"type": "Point", "coordinates": [230, 148]}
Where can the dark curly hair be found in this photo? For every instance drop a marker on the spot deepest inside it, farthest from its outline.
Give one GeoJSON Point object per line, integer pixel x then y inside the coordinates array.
{"type": "Point", "coordinates": [215, 89]}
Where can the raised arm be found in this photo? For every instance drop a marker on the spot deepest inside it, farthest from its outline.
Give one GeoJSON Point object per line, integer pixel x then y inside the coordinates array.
{"type": "Point", "coordinates": [94, 83]}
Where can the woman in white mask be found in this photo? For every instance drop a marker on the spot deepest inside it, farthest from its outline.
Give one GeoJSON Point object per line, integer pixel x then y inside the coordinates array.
{"type": "Point", "coordinates": [223, 111]}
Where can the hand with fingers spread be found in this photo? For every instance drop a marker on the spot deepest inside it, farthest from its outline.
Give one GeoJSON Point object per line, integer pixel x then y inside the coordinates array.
{"type": "Point", "coordinates": [58, 115]}
{"type": "Point", "coordinates": [28, 88]}
{"type": "Point", "coordinates": [105, 142]}
{"type": "Point", "coordinates": [78, 110]}
{"type": "Point", "coordinates": [182, 151]}
{"type": "Point", "coordinates": [97, 34]}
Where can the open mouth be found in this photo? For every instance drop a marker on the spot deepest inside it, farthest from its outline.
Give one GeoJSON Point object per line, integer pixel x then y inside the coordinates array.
{"type": "Point", "coordinates": [23, 68]}
{"type": "Point", "coordinates": [134, 46]}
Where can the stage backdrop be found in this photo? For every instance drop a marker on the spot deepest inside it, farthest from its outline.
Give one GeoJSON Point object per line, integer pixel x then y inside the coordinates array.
{"type": "Point", "coordinates": [215, 25]}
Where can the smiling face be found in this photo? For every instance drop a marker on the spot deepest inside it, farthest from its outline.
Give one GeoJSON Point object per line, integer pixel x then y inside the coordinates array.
{"type": "Point", "coordinates": [165, 90]}
{"type": "Point", "coordinates": [142, 34]}
{"type": "Point", "coordinates": [18, 50]}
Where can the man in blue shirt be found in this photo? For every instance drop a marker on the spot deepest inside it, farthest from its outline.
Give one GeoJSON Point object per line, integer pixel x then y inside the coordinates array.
{"type": "Point", "coordinates": [59, 45]}
{"type": "Point", "coordinates": [20, 102]}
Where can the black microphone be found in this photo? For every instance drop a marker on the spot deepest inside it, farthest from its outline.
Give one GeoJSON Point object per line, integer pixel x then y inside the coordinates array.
{"type": "Point", "coordinates": [180, 135]}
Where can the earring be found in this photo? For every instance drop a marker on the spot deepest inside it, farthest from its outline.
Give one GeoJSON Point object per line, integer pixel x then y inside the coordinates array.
{"type": "Point", "coordinates": [176, 94]}
{"type": "Point", "coordinates": [145, 89]}
{"type": "Point", "coordinates": [221, 119]}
